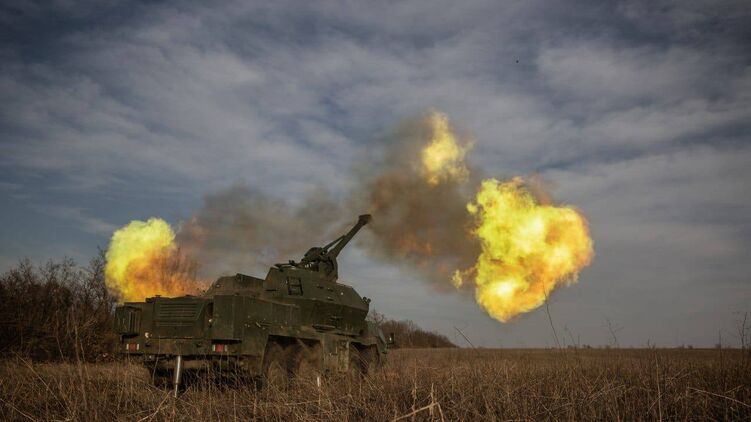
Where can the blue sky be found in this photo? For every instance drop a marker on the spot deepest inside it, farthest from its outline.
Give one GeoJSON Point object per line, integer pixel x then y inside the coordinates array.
{"type": "Point", "coordinates": [637, 112]}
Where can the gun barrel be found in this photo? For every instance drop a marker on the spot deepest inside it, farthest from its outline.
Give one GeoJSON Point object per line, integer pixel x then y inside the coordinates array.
{"type": "Point", "coordinates": [361, 221]}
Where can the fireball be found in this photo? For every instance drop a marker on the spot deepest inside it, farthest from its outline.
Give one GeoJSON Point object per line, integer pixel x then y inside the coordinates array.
{"type": "Point", "coordinates": [143, 261]}
{"type": "Point", "coordinates": [527, 248]}
{"type": "Point", "coordinates": [443, 157]}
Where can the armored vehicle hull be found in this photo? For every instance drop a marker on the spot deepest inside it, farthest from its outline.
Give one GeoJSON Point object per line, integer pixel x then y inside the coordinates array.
{"type": "Point", "coordinates": [298, 317]}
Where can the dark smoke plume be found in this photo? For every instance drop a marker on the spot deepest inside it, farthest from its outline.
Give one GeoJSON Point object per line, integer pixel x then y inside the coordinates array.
{"type": "Point", "coordinates": [243, 230]}
{"type": "Point", "coordinates": [416, 224]}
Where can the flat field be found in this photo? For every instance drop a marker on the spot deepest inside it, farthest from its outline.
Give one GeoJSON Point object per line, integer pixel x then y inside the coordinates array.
{"type": "Point", "coordinates": [416, 384]}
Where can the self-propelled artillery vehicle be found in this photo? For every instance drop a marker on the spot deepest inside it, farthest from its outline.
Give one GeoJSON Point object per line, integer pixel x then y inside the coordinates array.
{"type": "Point", "coordinates": [298, 317]}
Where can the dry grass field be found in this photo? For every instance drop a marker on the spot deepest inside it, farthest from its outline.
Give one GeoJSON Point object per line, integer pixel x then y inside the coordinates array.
{"type": "Point", "coordinates": [435, 384]}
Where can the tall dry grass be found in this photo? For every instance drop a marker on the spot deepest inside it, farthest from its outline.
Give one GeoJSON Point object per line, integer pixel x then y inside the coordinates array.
{"type": "Point", "coordinates": [448, 384]}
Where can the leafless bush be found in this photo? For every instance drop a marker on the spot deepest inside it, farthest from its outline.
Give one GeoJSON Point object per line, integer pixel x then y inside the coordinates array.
{"type": "Point", "coordinates": [57, 311]}
{"type": "Point", "coordinates": [407, 334]}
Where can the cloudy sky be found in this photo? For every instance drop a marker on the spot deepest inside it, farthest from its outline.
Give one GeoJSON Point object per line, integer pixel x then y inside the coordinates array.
{"type": "Point", "coordinates": [637, 112]}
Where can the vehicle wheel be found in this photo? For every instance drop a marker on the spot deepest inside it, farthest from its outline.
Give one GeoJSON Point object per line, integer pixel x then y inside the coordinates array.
{"type": "Point", "coordinates": [307, 361]}
{"type": "Point", "coordinates": [276, 368]}
{"type": "Point", "coordinates": [364, 361]}
{"type": "Point", "coordinates": [370, 360]}
{"type": "Point", "coordinates": [235, 377]}
{"type": "Point", "coordinates": [162, 378]}
{"type": "Point", "coordinates": [356, 367]}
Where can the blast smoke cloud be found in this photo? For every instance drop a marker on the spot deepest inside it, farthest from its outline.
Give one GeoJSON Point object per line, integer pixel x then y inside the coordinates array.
{"type": "Point", "coordinates": [243, 230]}
{"type": "Point", "coordinates": [505, 241]}
{"type": "Point", "coordinates": [423, 225]}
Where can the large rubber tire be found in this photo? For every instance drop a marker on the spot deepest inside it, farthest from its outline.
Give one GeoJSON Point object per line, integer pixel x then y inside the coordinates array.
{"type": "Point", "coordinates": [307, 361]}
{"type": "Point", "coordinates": [370, 360]}
{"type": "Point", "coordinates": [364, 361]}
{"type": "Point", "coordinates": [276, 366]}
{"type": "Point", "coordinates": [162, 378]}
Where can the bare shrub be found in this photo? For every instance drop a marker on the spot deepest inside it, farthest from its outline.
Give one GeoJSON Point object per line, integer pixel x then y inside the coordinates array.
{"type": "Point", "coordinates": [56, 311]}
{"type": "Point", "coordinates": [407, 334]}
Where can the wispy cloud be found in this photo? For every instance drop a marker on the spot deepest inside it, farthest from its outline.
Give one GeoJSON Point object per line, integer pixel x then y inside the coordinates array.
{"type": "Point", "coordinates": [78, 217]}
{"type": "Point", "coordinates": [637, 112]}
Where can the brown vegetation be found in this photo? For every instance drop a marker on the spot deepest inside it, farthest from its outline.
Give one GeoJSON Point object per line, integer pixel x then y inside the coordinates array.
{"type": "Point", "coordinates": [448, 384]}
{"type": "Point", "coordinates": [63, 312]}
{"type": "Point", "coordinates": [407, 334]}
{"type": "Point", "coordinates": [58, 311]}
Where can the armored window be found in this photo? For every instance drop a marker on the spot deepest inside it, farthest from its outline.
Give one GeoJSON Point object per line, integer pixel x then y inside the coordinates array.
{"type": "Point", "coordinates": [294, 286]}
